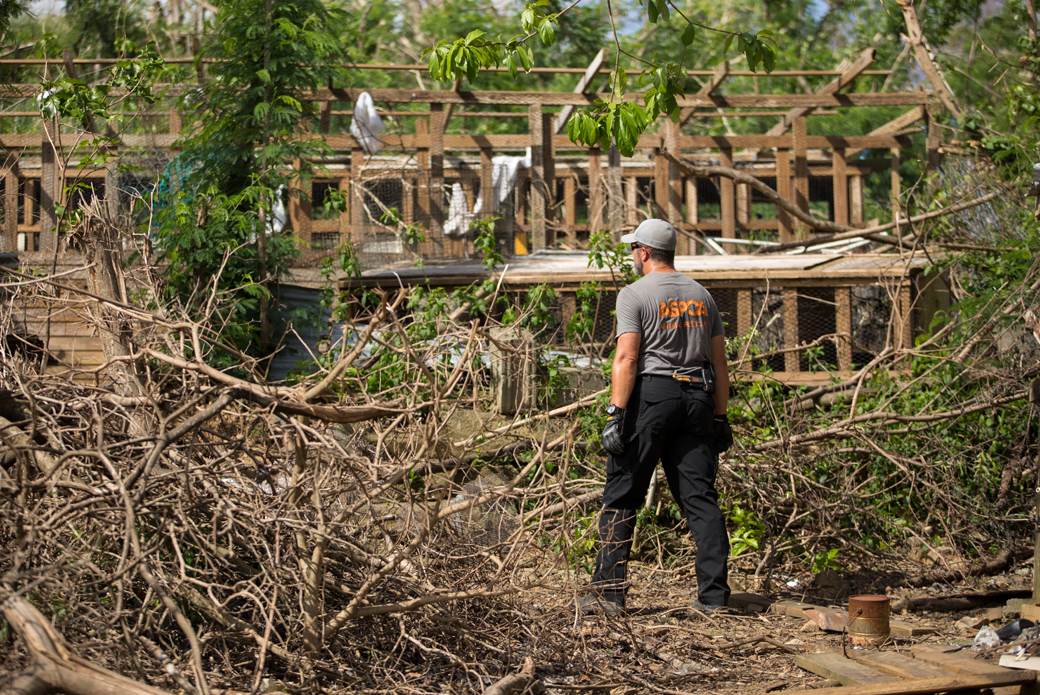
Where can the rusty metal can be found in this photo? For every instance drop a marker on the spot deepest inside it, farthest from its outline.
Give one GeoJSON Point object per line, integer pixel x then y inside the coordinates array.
{"type": "Point", "coordinates": [868, 620]}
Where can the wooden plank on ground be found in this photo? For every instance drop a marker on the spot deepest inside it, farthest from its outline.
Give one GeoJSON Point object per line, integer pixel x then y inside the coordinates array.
{"type": "Point", "coordinates": [828, 618]}
{"type": "Point", "coordinates": [749, 602]}
{"type": "Point", "coordinates": [837, 667]}
{"type": "Point", "coordinates": [927, 686]}
{"type": "Point", "coordinates": [900, 665]}
{"type": "Point", "coordinates": [792, 609]}
{"type": "Point", "coordinates": [901, 629]}
{"type": "Point", "coordinates": [961, 661]}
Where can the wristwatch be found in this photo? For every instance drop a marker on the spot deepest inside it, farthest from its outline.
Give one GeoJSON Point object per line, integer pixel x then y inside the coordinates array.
{"type": "Point", "coordinates": [613, 410]}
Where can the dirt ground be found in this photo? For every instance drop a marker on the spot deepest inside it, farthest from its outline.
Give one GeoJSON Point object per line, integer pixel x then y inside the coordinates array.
{"type": "Point", "coordinates": [662, 646]}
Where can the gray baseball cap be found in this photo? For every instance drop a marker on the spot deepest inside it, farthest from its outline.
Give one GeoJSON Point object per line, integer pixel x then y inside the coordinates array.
{"type": "Point", "coordinates": [656, 234]}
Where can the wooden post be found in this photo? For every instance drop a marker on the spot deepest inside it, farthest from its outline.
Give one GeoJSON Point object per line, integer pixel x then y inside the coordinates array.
{"type": "Point", "coordinates": [631, 200]}
{"type": "Point", "coordinates": [595, 191]}
{"type": "Point", "coordinates": [660, 184]}
{"type": "Point", "coordinates": [343, 183]}
{"type": "Point", "coordinates": [539, 195]}
{"type": "Point", "coordinates": [436, 199]}
{"type": "Point", "coordinates": [422, 158]}
{"type": "Point", "coordinates": [549, 172]}
{"type": "Point", "coordinates": [801, 174]}
{"type": "Point", "coordinates": [675, 186]}
{"type": "Point", "coordinates": [856, 200]}
{"type": "Point", "coordinates": [726, 191]}
{"type": "Point", "coordinates": [843, 326]}
{"type": "Point", "coordinates": [488, 201]}
{"type": "Point", "coordinates": [932, 141]}
{"type": "Point", "coordinates": [896, 209]}
{"type": "Point", "coordinates": [783, 187]}
{"type": "Point", "coordinates": [357, 197]}
{"type": "Point", "coordinates": [176, 123]}
{"type": "Point", "coordinates": [790, 310]}
{"type": "Point", "coordinates": [744, 318]}
{"type": "Point", "coordinates": [570, 219]}
{"type": "Point", "coordinates": [615, 195]}
{"type": "Point", "coordinates": [50, 188]}
{"type": "Point", "coordinates": [11, 204]}
{"type": "Point", "coordinates": [841, 187]}
{"type": "Point", "coordinates": [906, 322]}
{"type": "Point", "coordinates": [488, 195]}
{"type": "Point", "coordinates": [300, 206]}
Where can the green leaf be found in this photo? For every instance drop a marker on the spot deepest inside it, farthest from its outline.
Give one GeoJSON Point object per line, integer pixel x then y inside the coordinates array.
{"type": "Point", "coordinates": [688, 34]}
{"type": "Point", "coordinates": [662, 9]}
{"type": "Point", "coordinates": [651, 12]}
{"type": "Point", "coordinates": [473, 36]}
{"type": "Point", "coordinates": [546, 31]}
{"type": "Point", "coordinates": [511, 64]}
{"type": "Point", "coordinates": [729, 41]}
{"type": "Point", "coordinates": [264, 76]}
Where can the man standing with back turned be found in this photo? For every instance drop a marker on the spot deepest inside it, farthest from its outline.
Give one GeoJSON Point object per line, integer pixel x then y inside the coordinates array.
{"type": "Point", "coordinates": [668, 402]}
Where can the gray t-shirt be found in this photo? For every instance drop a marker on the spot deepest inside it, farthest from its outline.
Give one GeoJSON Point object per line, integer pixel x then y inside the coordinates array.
{"type": "Point", "coordinates": [676, 319]}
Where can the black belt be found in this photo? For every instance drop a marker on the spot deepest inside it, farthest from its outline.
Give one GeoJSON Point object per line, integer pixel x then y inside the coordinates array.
{"type": "Point", "coordinates": [698, 379]}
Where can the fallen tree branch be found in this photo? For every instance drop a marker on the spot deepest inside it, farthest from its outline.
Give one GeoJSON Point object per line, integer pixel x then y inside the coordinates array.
{"type": "Point", "coordinates": [871, 232]}
{"type": "Point", "coordinates": [881, 419]}
{"type": "Point", "coordinates": [54, 668]}
{"type": "Point", "coordinates": [756, 183]}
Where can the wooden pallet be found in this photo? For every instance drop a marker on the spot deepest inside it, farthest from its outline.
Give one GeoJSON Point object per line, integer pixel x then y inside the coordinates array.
{"type": "Point", "coordinates": [926, 669]}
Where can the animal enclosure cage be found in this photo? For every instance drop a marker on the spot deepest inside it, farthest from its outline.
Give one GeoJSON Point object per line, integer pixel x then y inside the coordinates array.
{"type": "Point", "coordinates": [811, 317]}
{"type": "Point", "coordinates": [415, 199]}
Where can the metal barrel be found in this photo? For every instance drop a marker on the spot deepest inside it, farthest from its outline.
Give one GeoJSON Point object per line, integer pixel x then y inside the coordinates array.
{"type": "Point", "coordinates": [868, 620]}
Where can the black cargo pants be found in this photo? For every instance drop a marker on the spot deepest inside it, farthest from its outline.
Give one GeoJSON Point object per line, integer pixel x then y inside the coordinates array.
{"type": "Point", "coordinates": [669, 422]}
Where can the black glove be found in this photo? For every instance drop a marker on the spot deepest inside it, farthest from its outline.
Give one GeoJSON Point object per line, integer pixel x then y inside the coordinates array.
{"type": "Point", "coordinates": [611, 439]}
{"type": "Point", "coordinates": [723, 433]}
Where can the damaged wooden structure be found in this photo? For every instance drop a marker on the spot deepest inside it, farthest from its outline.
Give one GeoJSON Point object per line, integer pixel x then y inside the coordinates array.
{"type": "Point", "coordinates": [440, 181]}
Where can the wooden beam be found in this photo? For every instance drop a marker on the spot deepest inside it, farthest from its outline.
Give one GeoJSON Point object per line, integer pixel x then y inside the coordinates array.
{"type": "Point", "coordinates": [924, 57]}
{"type": "Point", "coordinates": [732, 101]}
{"type": "Point", "coordinates": [674, 195]}
{"type": "Point", "coordinates": [569, 217]}
{"type": "Point", "coordinates": [728, 200]}
{"type": "Point", "coordinates": [540, 195]}
{"type": "Point", "coordinates": [845, 671]}
{"type": "Point", "coordinates": [437, 171]}
{"type": "Point", "coordinates": [893, 127]}
{"type": "Point", "coordinates": [615, 192]}
{"type": "Point", "coordinates": [783, 188]}
{"type": "Point", "coordinates": [10, 234]}
{"type": "Point", "coordinates": [595, 190]}
{"type": "Point", "coordinates": [300, 205]}
{"type": "Point", "coordinates": [933, 156]}
{"type": "Point", "coordinates": [801, 173]}
{"type": "Point", "coordinates": [50, 186]}
{"type": "Point", "coordinates": [865, 59]}
{"type": "Point", "coordinates": [708, 88]}
{"type": "Point", "coordinates": [583, 84]}
{"type": "Point", "coordinates": [856, 200]}
{"type": "Point", "coordinates": [450, 110]}
{"type": "Point", "coordinates": [840, 182]}
{"type": "Point", "coordinates": [631, 201]}
{"type": "Point", "coordinates": [692, 213]}
{"type": "Point", "coordinates": [843, 326]}
{"type": "Point", "coordinates": [899, 665]}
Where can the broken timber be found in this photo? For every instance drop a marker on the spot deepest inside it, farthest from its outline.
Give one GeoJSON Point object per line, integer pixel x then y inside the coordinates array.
{"type": "Point", "coordinates": [916, 686]}
{"type": "Point", "coordinates": [933, 669]}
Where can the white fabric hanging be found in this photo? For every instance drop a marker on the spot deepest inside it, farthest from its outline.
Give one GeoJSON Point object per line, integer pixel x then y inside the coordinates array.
{"type": "Point", "coordinates": [503, 178]}
{"type": "Point", "coordinates": [459, 216]}
{"type": "Point", "coordinates": [367, 125]}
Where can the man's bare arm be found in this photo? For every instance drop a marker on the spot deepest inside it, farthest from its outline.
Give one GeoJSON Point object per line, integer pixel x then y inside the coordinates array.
{"type": "Point", "coordinates": [623, 370]}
